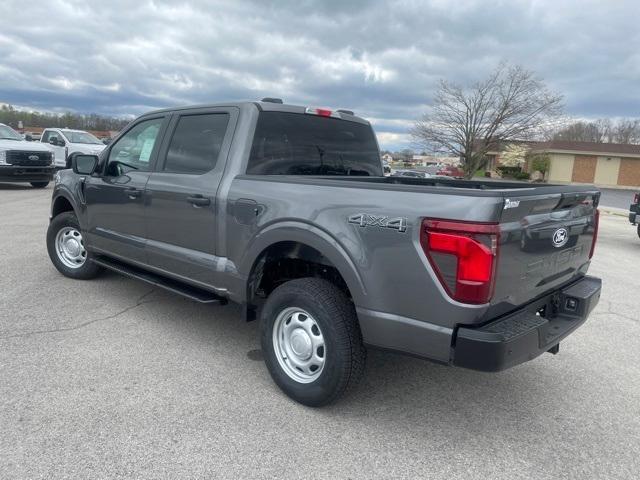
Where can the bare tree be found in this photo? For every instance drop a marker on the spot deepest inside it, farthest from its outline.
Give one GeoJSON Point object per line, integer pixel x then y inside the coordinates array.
{"type": "Point", "coordinates": [603, 130]}
{"type": "Point", "coordinates": [511, 104]}
{"type": "Point", "coordinates": [626, 131]}
{"type": "Point", "coordinates": [581, 131]}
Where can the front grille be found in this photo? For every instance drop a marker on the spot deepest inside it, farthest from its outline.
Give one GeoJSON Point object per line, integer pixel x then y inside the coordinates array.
{"type": "Point", "coordinates": [28, 159]}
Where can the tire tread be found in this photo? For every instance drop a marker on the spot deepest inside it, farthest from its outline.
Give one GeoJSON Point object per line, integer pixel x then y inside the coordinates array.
{"type": "Point", "coordinates": [348, 336]}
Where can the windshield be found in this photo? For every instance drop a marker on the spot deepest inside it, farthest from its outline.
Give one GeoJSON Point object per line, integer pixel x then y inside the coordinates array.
{"type": "Point", "coordinates": [300, 144]}
{"type": "Point", "coordinates": [8, 133]}
{"type": "Point", "coordinates": [81, 137]}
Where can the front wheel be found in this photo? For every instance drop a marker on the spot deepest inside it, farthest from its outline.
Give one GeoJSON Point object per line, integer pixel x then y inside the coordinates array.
{"type": "Point", "coordinates": [66, 248]}
{"type": "Point", "coordinates": [39, 184]}
{"type": "Point", "coordinates": [311, 341]}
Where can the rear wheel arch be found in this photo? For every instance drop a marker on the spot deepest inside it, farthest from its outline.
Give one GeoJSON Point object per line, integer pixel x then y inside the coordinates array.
{"type": "Point", "coordinates": [302, 254]}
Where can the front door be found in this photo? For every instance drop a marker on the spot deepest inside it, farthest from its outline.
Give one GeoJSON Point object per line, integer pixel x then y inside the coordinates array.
{"type": "Point", "coordinates": [58, 147]}
{"type": "Point", "coordinates": [116, 199]}
{"type": "Point", "coordinates": [181, 212]}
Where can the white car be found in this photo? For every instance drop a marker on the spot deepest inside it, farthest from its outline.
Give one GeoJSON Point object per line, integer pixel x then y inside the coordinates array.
{"type": "Point", "coordinates": [64, 142]}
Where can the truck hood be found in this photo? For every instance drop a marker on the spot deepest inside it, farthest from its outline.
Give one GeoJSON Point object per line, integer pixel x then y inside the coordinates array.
{"type": "Point", "coordinates": [23, 145]}
{"type": "Point", "coordinates": [85, 147]}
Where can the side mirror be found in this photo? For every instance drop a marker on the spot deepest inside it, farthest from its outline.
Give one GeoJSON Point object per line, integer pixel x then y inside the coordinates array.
{"type": "Point", "coordinates": [84, 164]}
{"type": "Point", "coordinates": [28, 137]}
{"type": "Point", "coordinates": [53, 141]}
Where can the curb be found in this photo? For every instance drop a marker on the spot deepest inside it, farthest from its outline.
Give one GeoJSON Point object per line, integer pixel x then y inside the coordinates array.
{"type": "Point", "coordinates": [619, 212]}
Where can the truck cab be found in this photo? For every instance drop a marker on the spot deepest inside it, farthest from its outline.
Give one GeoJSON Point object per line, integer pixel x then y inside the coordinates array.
{"type": "Point", "coordinates": [65, 141]}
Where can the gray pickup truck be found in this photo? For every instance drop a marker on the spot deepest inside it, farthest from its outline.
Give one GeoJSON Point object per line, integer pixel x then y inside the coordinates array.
{"type": "Point", "coordinates": [286, 211]}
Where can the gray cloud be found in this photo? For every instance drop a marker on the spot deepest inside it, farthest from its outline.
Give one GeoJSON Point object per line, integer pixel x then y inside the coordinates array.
{"type": "Point", "coordinates": [381, 59]}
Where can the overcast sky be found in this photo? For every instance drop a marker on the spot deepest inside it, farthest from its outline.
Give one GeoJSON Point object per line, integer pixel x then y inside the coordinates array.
{"type": "Point", "coordinates": [381, 59]}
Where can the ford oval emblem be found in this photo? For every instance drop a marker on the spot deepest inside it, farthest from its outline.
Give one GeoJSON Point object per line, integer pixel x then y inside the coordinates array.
{"type": "Point", "coordinates": [560, 237]}
{"type": "Point", "coordinates": [34, 158]}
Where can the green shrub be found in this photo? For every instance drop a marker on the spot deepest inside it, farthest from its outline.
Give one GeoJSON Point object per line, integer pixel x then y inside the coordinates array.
{"type": "Point", "coordinates": [507, 171]}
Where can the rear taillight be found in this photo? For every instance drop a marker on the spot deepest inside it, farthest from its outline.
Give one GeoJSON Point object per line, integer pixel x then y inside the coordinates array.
{"type": "Point", "coordinates": [636, 198]}
{"type": "Point", "coordinates": [596, 225]}
{"type": "Point", "coordinates": [463, 256]}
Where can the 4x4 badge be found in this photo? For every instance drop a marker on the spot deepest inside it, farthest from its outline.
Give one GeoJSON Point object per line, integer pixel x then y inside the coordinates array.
{"type": "Point", "coordinates": [368, 220]}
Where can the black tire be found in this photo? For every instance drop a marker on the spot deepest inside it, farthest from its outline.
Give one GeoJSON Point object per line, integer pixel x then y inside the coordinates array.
{"type": "Point", "coordinates": [335, 314]}
{"type": "Point", "coordinates": [638, 230]}
{"type": "Point", "coordinates": [88, 269]}
{"type": "Point", "coordinates": [39, 184]}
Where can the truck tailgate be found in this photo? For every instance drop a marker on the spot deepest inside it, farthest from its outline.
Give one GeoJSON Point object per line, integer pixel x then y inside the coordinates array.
{"type": "Point", "coordinates": [545, 242]}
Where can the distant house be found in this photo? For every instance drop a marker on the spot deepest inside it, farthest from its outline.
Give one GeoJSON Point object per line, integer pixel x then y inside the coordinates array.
{"type": "Point", "coordinates": [607, 164]}
{"type": "Point", "coordinates": [425, 160]}
{"type": "Point", "coordinates": [428, 160]}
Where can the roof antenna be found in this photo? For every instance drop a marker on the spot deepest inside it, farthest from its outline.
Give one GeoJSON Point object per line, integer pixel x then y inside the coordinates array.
{"type": "Point", "coordinates": [272, 100]}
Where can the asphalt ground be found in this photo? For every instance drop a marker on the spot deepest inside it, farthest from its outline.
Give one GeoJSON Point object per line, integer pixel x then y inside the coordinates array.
{"type": "Point", "coordinates": [110, 378]}
{"type": "Point", "coordinates": [617, 198]}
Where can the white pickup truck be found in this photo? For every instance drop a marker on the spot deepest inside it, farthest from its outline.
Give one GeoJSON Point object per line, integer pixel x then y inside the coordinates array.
{"type": "Point", "coordinates": [64, 142]}
{"type": "Point", "coordinates": [22, 161]}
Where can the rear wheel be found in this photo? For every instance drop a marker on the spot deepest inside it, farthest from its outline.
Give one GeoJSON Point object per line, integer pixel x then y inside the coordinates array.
{"type": "Point", "coordinates": [66, 248]}
{"type": "Point", "coordinates": [639, 230]}
{"type": "Point", "coordinates": [39, 184]}
{"type": "Point", "coordinates": [311, 341]}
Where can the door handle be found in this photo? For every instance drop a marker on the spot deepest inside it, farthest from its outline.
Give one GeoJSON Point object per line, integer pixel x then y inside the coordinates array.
{"type": "Point", "coordinates": [132, 193]}
{"type": "Point", "coordinates": [198, 200]}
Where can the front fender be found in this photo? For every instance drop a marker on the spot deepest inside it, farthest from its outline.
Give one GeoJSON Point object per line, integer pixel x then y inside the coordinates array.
{"type": "Point", "coordinates": [63, 192]}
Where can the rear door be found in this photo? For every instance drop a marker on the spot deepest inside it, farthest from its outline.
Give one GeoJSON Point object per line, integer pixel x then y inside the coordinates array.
{"type": "Point", "coordinates": [545, 242]}
{"type": "Point", "coordinates": [116, 198]}
{"type": "Point", "coordinates": [181, 214]}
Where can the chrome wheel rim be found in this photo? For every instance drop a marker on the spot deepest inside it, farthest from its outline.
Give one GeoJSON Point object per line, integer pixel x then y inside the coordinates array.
{"type": "Point", "coordinates": [299, 345]}
{"type": "Point", "coordinates": [70, 247]}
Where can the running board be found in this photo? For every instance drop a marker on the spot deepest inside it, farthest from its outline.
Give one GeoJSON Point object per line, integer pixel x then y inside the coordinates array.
{"type": "Point", "coordinates": [194, 293]}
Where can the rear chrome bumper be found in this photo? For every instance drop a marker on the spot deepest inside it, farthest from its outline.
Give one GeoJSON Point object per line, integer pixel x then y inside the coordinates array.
{"type": "Point", "coordinates": [523, 335]}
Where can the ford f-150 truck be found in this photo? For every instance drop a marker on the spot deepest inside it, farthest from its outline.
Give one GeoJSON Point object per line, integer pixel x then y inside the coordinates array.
{"type": "Point", "coordinates": [286, 211]}
{"type": "Point", "coordinates": [22, 161]}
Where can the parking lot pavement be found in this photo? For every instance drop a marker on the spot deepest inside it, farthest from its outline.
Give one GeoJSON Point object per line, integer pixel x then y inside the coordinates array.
{"type": "Point", "coordinates": [111, 378]}
{"type": "Point", "coordinates": [617, 198]}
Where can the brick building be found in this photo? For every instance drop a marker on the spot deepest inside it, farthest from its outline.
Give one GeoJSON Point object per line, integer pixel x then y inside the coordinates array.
{"type": "Point", "coordinates": [606, 164]}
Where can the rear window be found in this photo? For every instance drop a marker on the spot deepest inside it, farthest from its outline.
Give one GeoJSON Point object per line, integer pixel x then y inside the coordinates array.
{"type": "Point", "coordinates": [300, 144]}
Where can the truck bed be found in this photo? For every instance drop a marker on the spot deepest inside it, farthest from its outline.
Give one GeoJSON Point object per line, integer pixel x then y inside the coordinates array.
{"type": "Point", "coordinates": [452, 186]}
{"type": "Point", "coordinates": [528, 265]}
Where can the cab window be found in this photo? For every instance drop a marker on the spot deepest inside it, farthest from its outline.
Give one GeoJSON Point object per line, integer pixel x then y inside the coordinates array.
{"type": "Point", "coordinates": [298, 144]}
{"type": "Point", "coordinates": [196, 143]}
{"type": "Point", "coordinates": [134, 150]}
